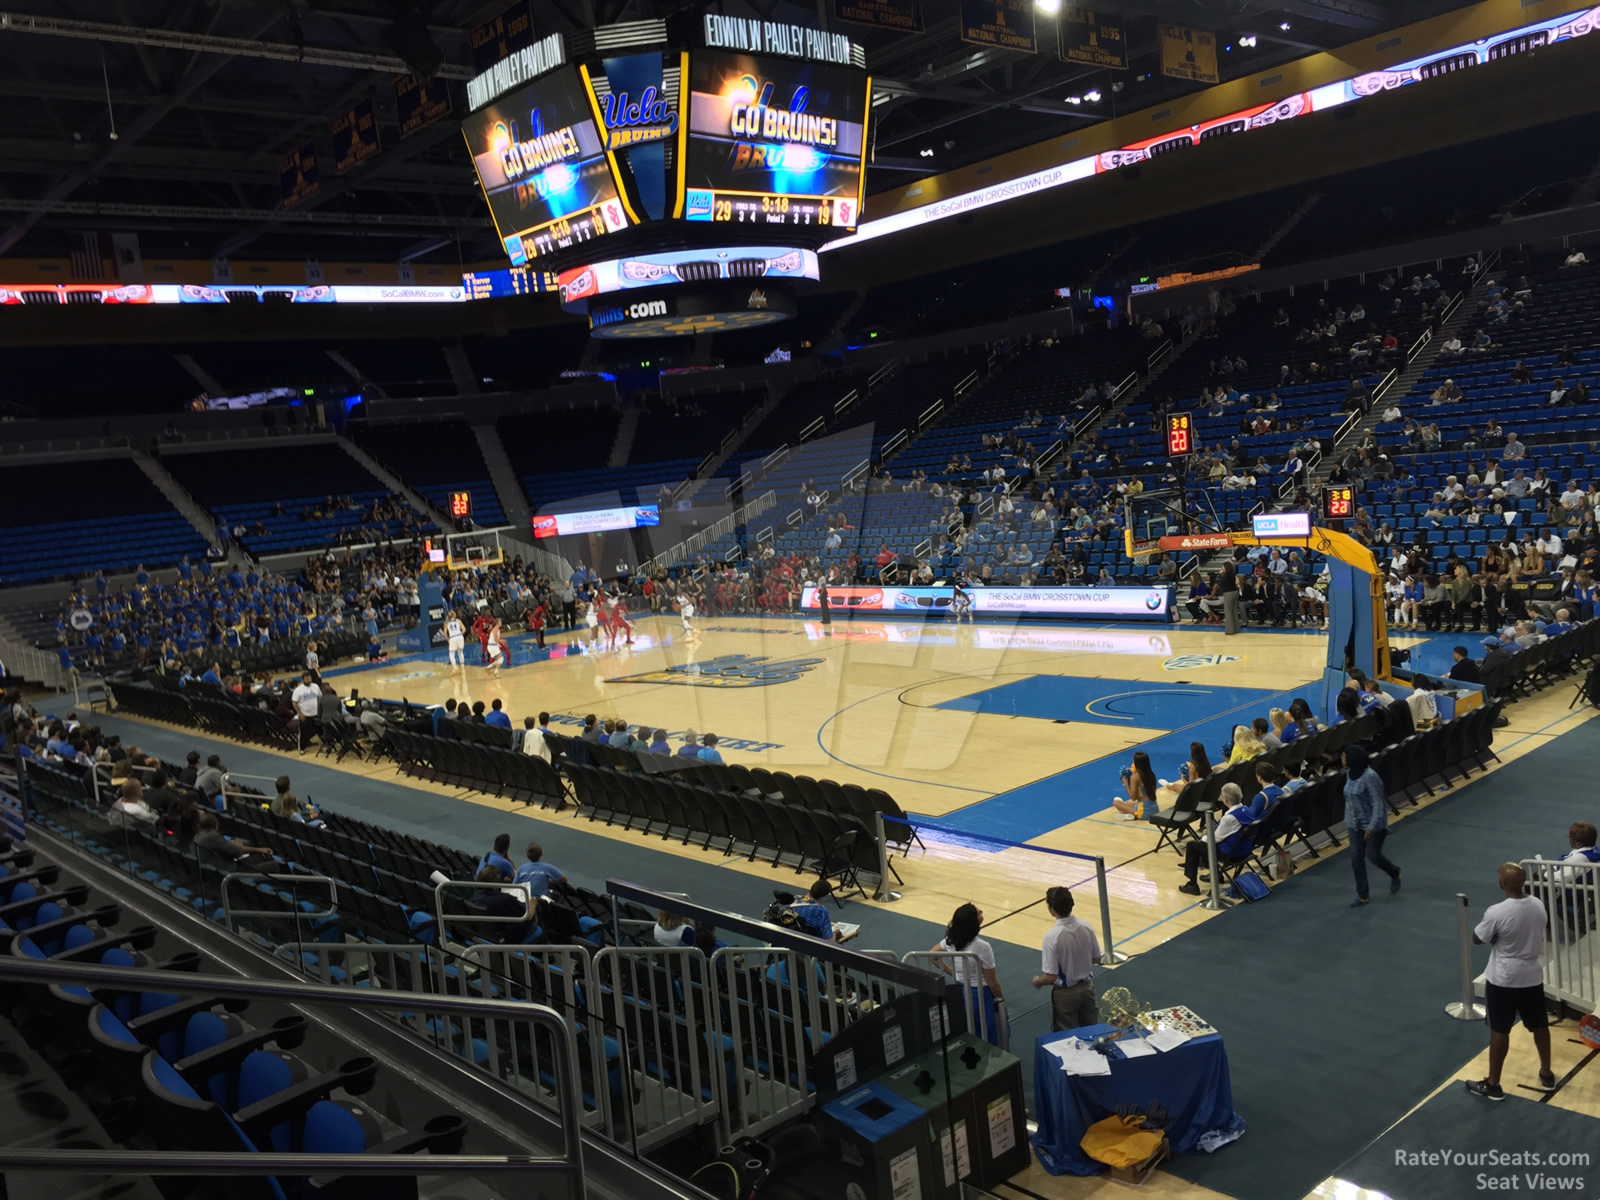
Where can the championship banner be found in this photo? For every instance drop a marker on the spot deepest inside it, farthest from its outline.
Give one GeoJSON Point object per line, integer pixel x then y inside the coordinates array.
{"type": "Point", "coordinates": [501, 36]}
{"type": "Point", "coordinates": [1188, 54]}
{"type": "Point", "coordinates": [419, 102]}
{"type": "Point", "coordinates": [355, 136]}
{"type": "Point", "coordinates": [904, 15]}
{"type": "Point", "coordinates": [297, 175]}
{"type": "Point", "coordinates": [1144, 603]}
{"type": "Point", "coordinates": [1004, 24]}
{"type": "Point", "coordinates": [1091, 38]}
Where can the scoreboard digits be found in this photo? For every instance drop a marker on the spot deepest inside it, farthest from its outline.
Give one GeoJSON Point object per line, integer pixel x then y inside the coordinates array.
{"type": "Point", "coordinates": [745, 209]}
{"type": "Point", "coordinates": [1180, 435]}
{"type": "Point", "coordinates": [460, 504]}
{"type": "Point", "coordinates": [1338, 502]}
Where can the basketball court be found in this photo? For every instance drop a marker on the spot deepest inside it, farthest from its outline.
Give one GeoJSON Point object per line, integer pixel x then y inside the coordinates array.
{"type": "Point", "coordinates": [1007, 738]}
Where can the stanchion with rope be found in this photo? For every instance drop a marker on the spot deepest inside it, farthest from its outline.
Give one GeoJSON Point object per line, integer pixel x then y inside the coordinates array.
{"type": "Point", "coordinates": [1467, 1008]}
{"type": "Point", "coordinates": [884, 894]}
{"type": "Point", "coordinates": [1109, 955]}
{"type": "Point", "coordinates": [1216, 901]}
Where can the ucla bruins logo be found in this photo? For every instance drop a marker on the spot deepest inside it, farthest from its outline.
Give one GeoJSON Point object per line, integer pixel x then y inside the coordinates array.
{"type": "Point", "coordinates": [729, 671]}
{"type": "Point", "coordinates": [1188, 662]}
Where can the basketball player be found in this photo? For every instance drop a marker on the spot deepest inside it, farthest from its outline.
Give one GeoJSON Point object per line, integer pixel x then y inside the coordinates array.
{"type": "Point", "coordinates": [480, 629]}
{"type": "Point", "coordinates": [685, 607]}
{"type": "Point", "coordinates": [619, 616]}
{"type": "Point", "coordinates": [456, 632]}
{"type": "Point", "coordinates": [499, 654]}
{"type": "Point", "coordinates": [591, 618]}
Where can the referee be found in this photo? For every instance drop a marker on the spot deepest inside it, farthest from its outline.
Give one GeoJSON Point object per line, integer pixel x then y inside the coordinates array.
{"type": "Point", "coordinates": [1070, 953]}
{"type": "Point", "coordinates": [1514, 982]}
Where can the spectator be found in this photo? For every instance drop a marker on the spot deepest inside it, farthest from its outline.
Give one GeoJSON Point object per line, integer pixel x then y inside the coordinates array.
{"type": "Point", "coordinates": [533, 740]}
{"type": "Point", "coordinates": [497, 716]}
{"type": "Point", "coordinates": [536, 873]}
{"type": "Point", "coordinates": [1233, 836]}
{"type": "Point", "coordinates": [961, 937]}
{"type": "Point", "coordinates": [1464, 669]}
{"type": "Point", "coordinates": [496, 857]}
{"type": "Point", "coordinates": [130, 806]}
{"type": "Point", "coordinates": [209, 836]}
{"type": "Point", "coordinates": [658, 744]}
{"type": "Point", "coordinates": [708, 749]}
{"type": "Point", "coordinates": [672, 930]}
{"type": "Point", "coordinates": [307, 700]}
{"type": "Point", "coordinates": [209, 782]}
{"type": "Point", "coordinates": [1581, 839]}
{"type": "Point", "coordinates": [812, 911]}
{"type": "Point", "coordinates": [691, 745]}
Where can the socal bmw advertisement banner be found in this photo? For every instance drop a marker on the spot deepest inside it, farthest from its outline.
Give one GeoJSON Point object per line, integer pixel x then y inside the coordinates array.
{"type": "Point", "coordinates": [1136, 603]}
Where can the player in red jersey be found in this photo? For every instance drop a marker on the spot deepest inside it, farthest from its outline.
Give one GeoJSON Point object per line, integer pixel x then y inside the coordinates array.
{"type": "Point", "coordinates": [619, 616]}
{"type": "Point", "coordinates": [536, 623]}
{"type": "Point", "coordinates": [480, 630]}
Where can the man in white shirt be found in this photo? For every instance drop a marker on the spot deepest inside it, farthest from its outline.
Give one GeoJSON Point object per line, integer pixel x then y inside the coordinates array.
{"type": "Point", "coordinates": [1391, 413]}
{"type": "Point", "coordinates": [1559, 391]}
{"type": "Point", "coordinates": [1452, 345]}
{"type": "Point", "coordinates": [1513, 983]}
{"type": "Point", "coordinates": [1549, 543]}
{"type": "Point", "coordinates": [306, 698]}
{"type": "Point", "coordinates": [1573, 496]}
{"type": "Point", "coordinates": [1070, 953]}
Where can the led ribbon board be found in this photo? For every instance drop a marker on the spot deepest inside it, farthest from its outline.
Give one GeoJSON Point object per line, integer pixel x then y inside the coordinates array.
{"type": "Point", "coordinates": [1521, 40]}
{"type": "Point", "coordinates": [595, 520]}
{"type": "Point", "coordinates": [684, 266]}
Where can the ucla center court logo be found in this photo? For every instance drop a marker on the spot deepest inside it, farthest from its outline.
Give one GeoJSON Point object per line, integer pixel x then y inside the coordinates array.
{"type": "Point", "coordinates": [1188, 662]}
{"type": "Point", "coordinates": [729, 671]}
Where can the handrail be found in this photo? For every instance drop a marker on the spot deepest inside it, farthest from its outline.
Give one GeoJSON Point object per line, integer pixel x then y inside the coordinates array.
{"type": "Point", "coordinates": [1384, 384]}
{"type": "Point", "coordinates": [811, 429]}
{"type": "Point", "coordinates": [1125, 385]}
{"type": "Point", "coordinates": [1157, 355]}
{"type": "Point", "coordinates": [893, 444]}
{"type": "Point", "coordinates": [143, 979]}
{"type": "Point", "coordinates": [795, 517]}
{"type": "Point", "coordinates": [1048, 456]}
{"type": "Point", "coordinates": [931, 413]}
{"type": "Point", "coordinates": [775, 935]}
{"type": "Point", "coordinates": [845, 401]}
{"type": "Point", "coordinates": [881, 374]}
{"type": "Point", "coordinates": [966, 383]}
{"type": "Point", "coordinates": [1419, 345]}
{"type": "Point", "coordinates": [704, 465]}
{"type": "Point", "coordinates": [854, 473]}
{"type": "Point", "coordinates": [1350, 422]}
{"type": "Point", "coordinates": [1088, 419]}
{"type": "Point", "coordinates": [923, 549]}
{"type": "Point", "coordinates": [776, 457]}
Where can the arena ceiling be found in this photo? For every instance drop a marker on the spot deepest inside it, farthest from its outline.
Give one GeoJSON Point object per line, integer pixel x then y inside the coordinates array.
{"type": "Point", "coordinates": [167, 118]}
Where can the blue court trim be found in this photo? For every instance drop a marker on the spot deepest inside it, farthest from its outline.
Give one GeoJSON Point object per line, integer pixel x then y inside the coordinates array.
{"type": "Point", "coordinates": [1025, 813]}
{"type": "Point", "coordinates": [1100, 701]}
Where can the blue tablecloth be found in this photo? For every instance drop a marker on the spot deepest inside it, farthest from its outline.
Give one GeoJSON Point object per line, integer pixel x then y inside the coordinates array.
{"type": "Point", "coordinates": [1191, 1082]}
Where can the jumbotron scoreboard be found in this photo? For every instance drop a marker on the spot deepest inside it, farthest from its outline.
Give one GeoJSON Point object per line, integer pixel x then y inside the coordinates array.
{"type": "Point", "coordinates": [675, 176]}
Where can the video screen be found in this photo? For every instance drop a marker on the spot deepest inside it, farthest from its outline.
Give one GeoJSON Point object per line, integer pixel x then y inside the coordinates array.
{"type": "Point", "coordinates": [774, 141]}
{"type": "Point", "coordinates": [540, 158]}
{"type": "Point", "coordinates": [596, 520]}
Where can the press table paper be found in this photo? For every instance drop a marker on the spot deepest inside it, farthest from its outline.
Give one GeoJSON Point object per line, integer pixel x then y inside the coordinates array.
{"type": "Point", "coordinates": [1167, 1039]}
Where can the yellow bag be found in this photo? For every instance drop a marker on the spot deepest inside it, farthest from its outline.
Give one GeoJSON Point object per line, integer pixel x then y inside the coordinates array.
{"type": "Point", "coordinates": [1119, 1142]}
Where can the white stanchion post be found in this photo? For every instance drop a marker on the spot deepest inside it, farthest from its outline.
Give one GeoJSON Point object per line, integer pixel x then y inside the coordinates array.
{"type": "Point", "coordinates": [1467, 1008]}
{"type": "Point", "coordinates": [884, 894]}
{"type": "Point", "coordinates": [1216, 901]}
{"type": "Point", "coordinates": [1109, 955]}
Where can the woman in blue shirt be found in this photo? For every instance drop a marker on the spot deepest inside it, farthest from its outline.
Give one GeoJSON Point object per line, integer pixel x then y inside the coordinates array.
{"type": "Point", "coordinates": [1366, 817]}
{"type": "Point", "coordinates": [1301, 722]}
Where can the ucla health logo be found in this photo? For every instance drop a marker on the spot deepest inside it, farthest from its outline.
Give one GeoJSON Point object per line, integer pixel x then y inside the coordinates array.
{"type": "Point", "coordinates": [1187, 662]}
{"type": "Point", "coordinates": [729, 671]}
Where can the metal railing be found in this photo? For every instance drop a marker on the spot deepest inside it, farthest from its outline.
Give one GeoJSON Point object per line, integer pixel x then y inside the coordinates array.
{"type": "Point", "coordinates": [893, 445]}
{"type": "Point", "coordinates": [966, 383]}
{"type": "Point", "coordinates": [778, 456]}
{"type": "Point", "coordinates": [930, 414]}
{"type": "Point", "coordinates": [534, 1018]}
{"type": "Point", "coordinates": [1570, 893]}
{"type": "Point", "coordinates": [844, 402]}
{"type": "Point", "coordinates": [738, 485]}
{"type": "Point", "coordinates": [38, 666]}
{"type": "Point", "coordinates": [697, 542]}
{"type": "Point", "coordinates": [854, 473]}
{"type": "Point", "coordinates": [811, 430]}
{"type": "Point", "coordinates": [1157, 355]}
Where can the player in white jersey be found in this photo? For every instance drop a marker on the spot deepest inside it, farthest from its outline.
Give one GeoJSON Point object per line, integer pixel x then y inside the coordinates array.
{"type": "Point", "coordinates": [686, 611]}
{"type": "Point", "coordinates": [456, 632]}
{"type": "Point", "coordinates": [591, 618]}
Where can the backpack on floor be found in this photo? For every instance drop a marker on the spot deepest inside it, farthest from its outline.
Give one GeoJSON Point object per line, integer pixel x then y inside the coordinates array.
{"type": "Point", "coordinates": [1249, 887]}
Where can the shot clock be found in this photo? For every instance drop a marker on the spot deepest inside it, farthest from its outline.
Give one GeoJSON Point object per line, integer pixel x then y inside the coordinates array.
{"type": "Point", "coordinates": [1180, 435]}
{"type": "Point", "coordinates": [1338, 502]}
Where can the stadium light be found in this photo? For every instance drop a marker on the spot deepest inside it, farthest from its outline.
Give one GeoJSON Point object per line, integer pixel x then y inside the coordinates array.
{"type": "Point", "coordinates": [925, 153]}
{"type": "Point", "coordinates": [1074, 99]}
{"type": "Point", "coordinates": [1248, 40]}
{"type": "Point", "coordinates": [1048, 6]}
{"type": "Point", "coordinates": [1092, 97]}
{"type": "Point", "coordinates": [1284, 25]}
